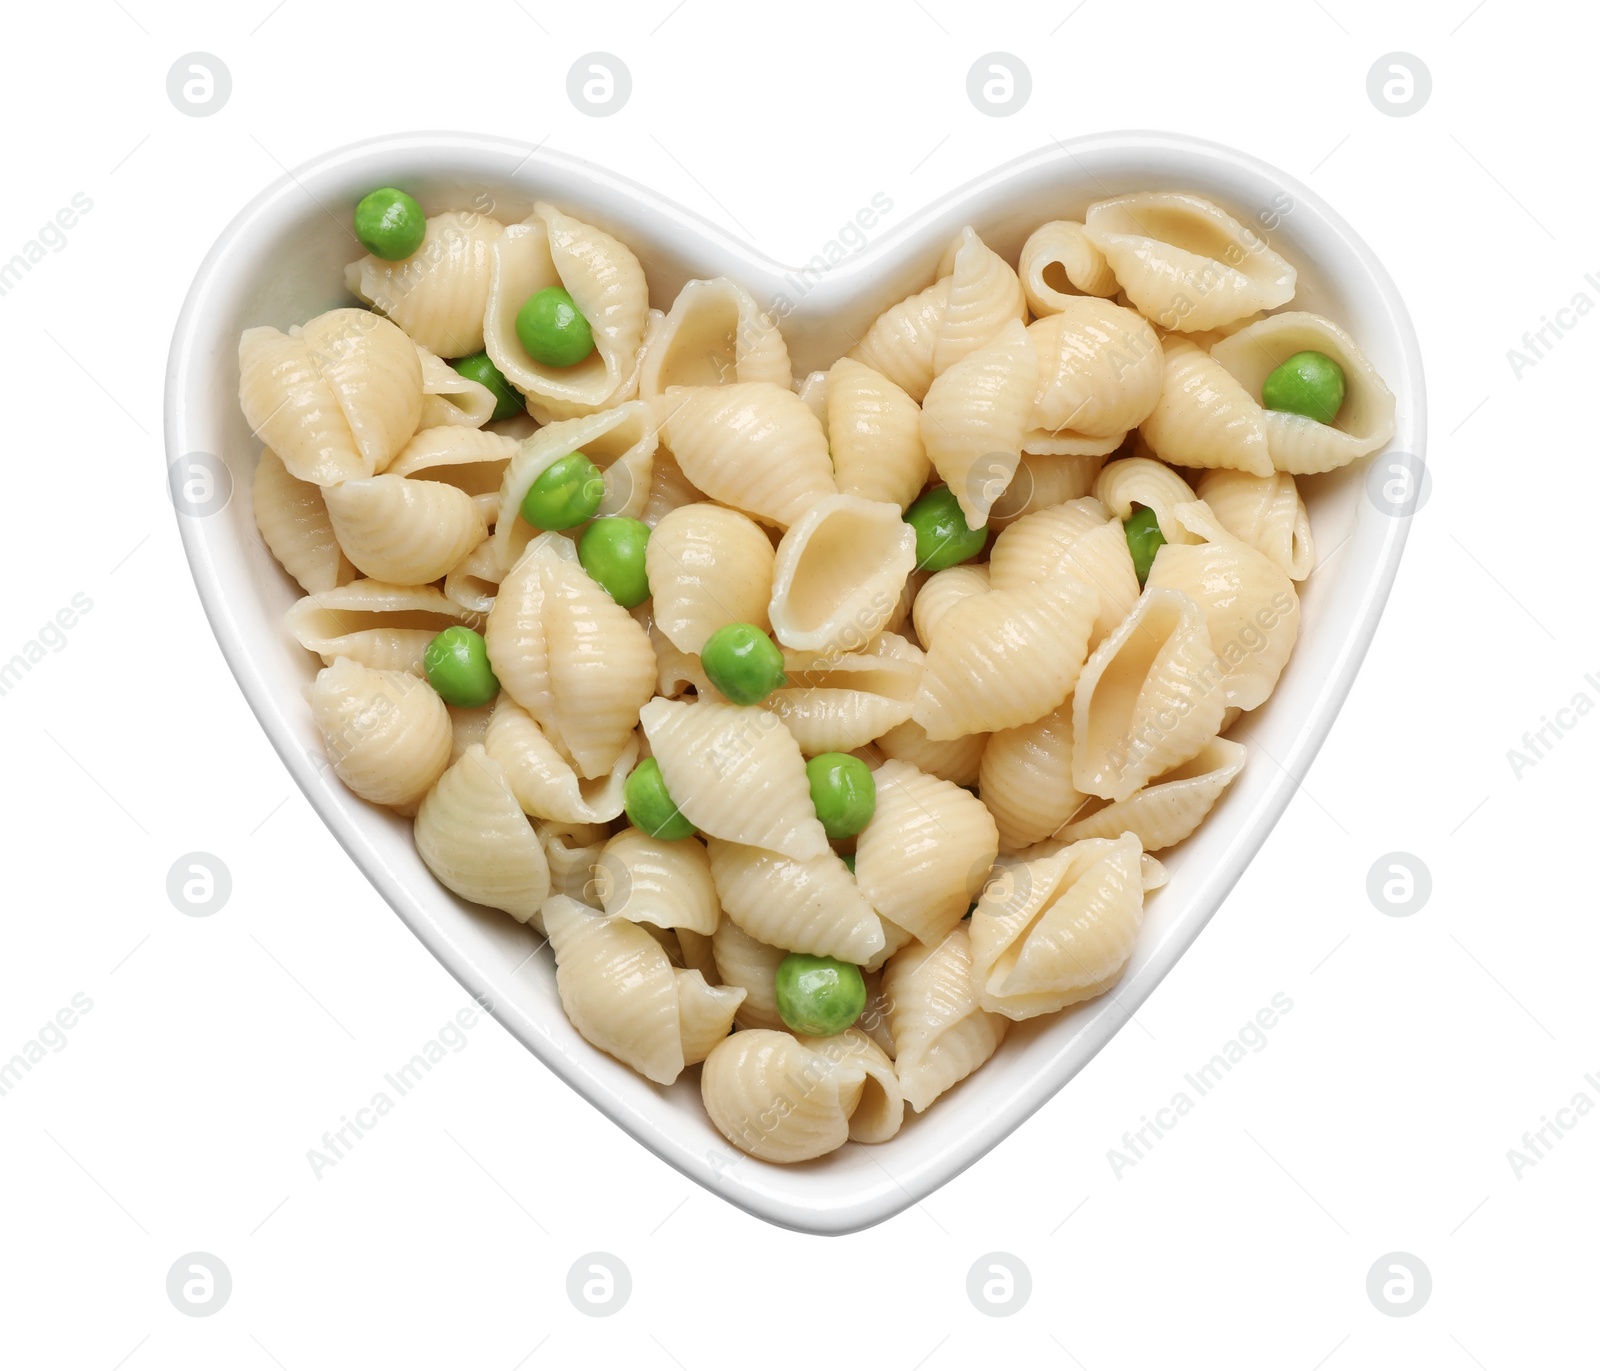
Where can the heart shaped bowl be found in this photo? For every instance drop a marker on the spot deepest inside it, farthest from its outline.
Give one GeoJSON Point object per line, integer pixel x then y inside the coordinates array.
{"type": "Point", "coordinates": [281, 261]}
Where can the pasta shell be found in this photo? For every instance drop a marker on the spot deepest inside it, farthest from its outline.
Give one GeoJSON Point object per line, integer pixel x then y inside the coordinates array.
{"type": "Point", "coordinates": [838, 574]}
{"type": "Point", "coordinates": [811, 906]}
{"type": "Point", "coordinates": [749, 965]}
{"type": "Point", "coordinates": [1149, 698]}
{"type": "Point", "coordinates": [1298, 444]}
{"type": "Point", "coordinates": [294, 524]}
{"type": "Point", "coordinates": [473, 836]}
{"type": "Point", "coordinates": [1099, 369]}
{"type": "Point", "coordinates": [1026, 780]}
{"type": "Point", "coordinates": [1042, 481]}
{"type": "Point", "coordinates": [942, 591]}
{"type": "Point", "coordinates": [1186, 263]}
{"type": "Point", "coordinates": [449, 399]}
{"type": "Point", "coordinates": [1171, 807]}
{"type": "Point", "coordinates": [1077, 540]}
{"type": "Point", "coordinates": [573, 859]}
{"type": "Point", "coordinates": [1204, 417]}
{"type": "Point", "coordinates": [925, 853]}
{"type": "Point", "coordinates": [670, 489]}
{"type": "Point", "coordinates": [438, 294]}
{"type": "Point", "coordinates": [735, 773]}
{"type": "Point", "coordinates": [382, 626]}
{"type": "Point", "coordinates": [1266, 512]}
{"type": "Point", "coordinates": [708, 567]}
{"type": "Point", "coordinates": [472, 460]}
{"type": "Point", "coordinates": [1252, 613]}
{"type": "Point", "coordinates": [1059, 930]}
{"type": "Point", "coordinates": [874, 431]}
{"type": "Point", "coordinates": [676, 671]}
{"type": "Point", "coordinates": [386, 732]}
{"type": "Point", "coordinates": [787, 1099]}
{"type": "Point", "coordinates": [654, 881]}
{"type": "Point", "coordinates": [622, 993]}
{"type": "Point", "coordinates": [403, 531]}
{"type": "Point", "coordinates": [985, 296]}
{"type": "Point", "coordinates": [838, 702]}
{"type": "Point", "coordinates": [974, 417]}
{"type": "Point", "coordinates": [705, 1013]}
{"type": "Point", "coordinates": [713, 335]}
{"type": "Point", "coordinates": [1134, 481]}
{"type": "Point", "coordinates": [1059, 263]}
{"type": "Point", "coordinates": [752, 446]}
{"type": "Point", "coordinates": [467, 726]}
{"type": "Point", "coordinates": [544, 782]}
{"type": "Point", "coordinates": [901, 342]}
{"type": "Point", "coordinates": [621, 442]}
{"type": "Point", "coordinates": [1005, 658]}
{"type": "Point", "coordinates": [474, 581]}
{"type": "Point", "coordinates": [941, 1033]}
{"type": "Point", "coordinates": [953, 759]}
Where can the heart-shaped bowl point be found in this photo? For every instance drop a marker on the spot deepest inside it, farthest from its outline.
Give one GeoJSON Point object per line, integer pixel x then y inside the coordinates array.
{"type": "Point", "coordinates": [281, 261]}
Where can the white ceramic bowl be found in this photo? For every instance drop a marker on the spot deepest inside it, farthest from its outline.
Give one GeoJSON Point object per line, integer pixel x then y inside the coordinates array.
{"type": "Point", "coordinates": [281, 261]}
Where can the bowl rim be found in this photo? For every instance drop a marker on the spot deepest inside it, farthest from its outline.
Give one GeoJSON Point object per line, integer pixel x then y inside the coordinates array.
{"type": "Point", "coordinates": [797, 1205]}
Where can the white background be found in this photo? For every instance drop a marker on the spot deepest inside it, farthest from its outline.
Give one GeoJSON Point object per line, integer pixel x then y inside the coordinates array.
{"type": "Point", "coordinates": [218, 1050]}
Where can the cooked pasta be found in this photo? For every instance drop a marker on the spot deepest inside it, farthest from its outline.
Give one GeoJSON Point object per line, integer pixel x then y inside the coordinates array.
{"type": "Point", "coordinates": [751, 725]}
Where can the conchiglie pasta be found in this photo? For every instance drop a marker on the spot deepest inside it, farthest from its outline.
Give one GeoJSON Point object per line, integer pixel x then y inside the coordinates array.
{"type": "Point", "coordinates": [752, 446]}
{"type": "Point", "coordinates": [874, 432]}
{"type": "Point", "coordinates": [438, 294]}
{"type": "Point", "coordinates": [1042, 481]}
{"type": "Point", "coordinates": [294, 524]}
{"type": "Point", "coordinates": [473, 836]}
{"type": "Point", "coordinates": [838, 574]}
{"type": "Point", "coordinates": [545, 783]}
{"type": "Point", "coordinates": [1149, 698]}
{"type": "Point", "coordinates": [1205, 418]}
{"type": "Point", "coordinates": [923, 856]}
{"type": "Point", "coordinates": [654, 881]}
{"type": "Point", "coordinates": [715, 334]}
{"type": "Point", "coordinates": [837, 702]}
{"type": "Point", "coordinates": [974, 417]}
{"type": "Point", "coordinates": [1171, 807]}
{"type": "Point", "coordinates": [386, 627]}
{"type": "Point", "coordinates": [670, 489]}
{"type": "Point", "coordinates": [985, 296]}
{"type": "Point", "coordinates": [811, 906]}
{"type": "Point", "coordinates": [386, 732]}
{"type": "Point", "coordinates": [1078, 540]}
{"type": "Point", "coordinates": [749, 965]}
{"type": "Point", "coordinates": [1060, 929]}
{"type": "Point", "coordinates": [572, 857]}
{"type": "Point", "coordinates": [941, 1033]}
{"type": "Point", "coordinates": [449, 399]}
{"type": "Point", "coordinates": [472, 460]}
{"type": "Point", "coordinates": [1058, 263]}
{"type": "Point", "coordinates": [403, 531]}
{"type": "Point", "coordinates": [1266, 512]}
{"type": "Point", "coordinates": [1025, 779]}
{"type": "Point", "coordinates": [786, 1099]}
{"type": "Point", "coordinates": [708, 567]}
{"type": "Point", "coordinates": [1099, 369]}
{"type": "Point", "coordinates": [952, 759]}
{"type": "Point", "coordinates": [1184, 262]}
{"type": "Point", "coordinates": [1297, 443]}
{"type": "Point", "coordinates": [901, 341]}
{"type": "Point", "coordinates": [736, 773]}
{"type": "Point", "coordinates": [943, 591]}
{"type": "Point", "coordinates": [335, 399]}
{"type": "Point", "coordinates": [1005, 658]}
{"type": "Point", "coordinates": [1132, 481]}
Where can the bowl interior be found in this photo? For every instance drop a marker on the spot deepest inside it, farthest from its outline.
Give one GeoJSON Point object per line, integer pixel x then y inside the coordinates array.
{"type": "Point", "coordinates": [282, 261]}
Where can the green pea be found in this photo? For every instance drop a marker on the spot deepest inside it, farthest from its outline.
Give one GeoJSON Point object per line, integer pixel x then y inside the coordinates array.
{"type": "Point", "coordinates": [552, 330]}
{"type": "Point", "coordinates": [842, 792]}
{"type": "Point", "coordinates": [743, 663]}
{"type": "Point", "coordinates": [456, 664]}
{"type": "Point", "coordinates": [390, 224]}
{"type": "Point", "coordinates": [507, 403]}
{"type": "Point", "coordinates": [943, 538]}
{"type": "Point", "coordinates": [567, 492]}
{"type": "Point", "coordinates": [850, 861]}
{"type": "Point", "coordinates": [1144, 539]}
{"type": "Point", "coordinates": [612, 551]}
{"type": "Point", "coordinates": [819, 996]}
{"type": "Point", "coordinates": [1309, 383]}
{"type": "Point", "coordinates": [650, 808]}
